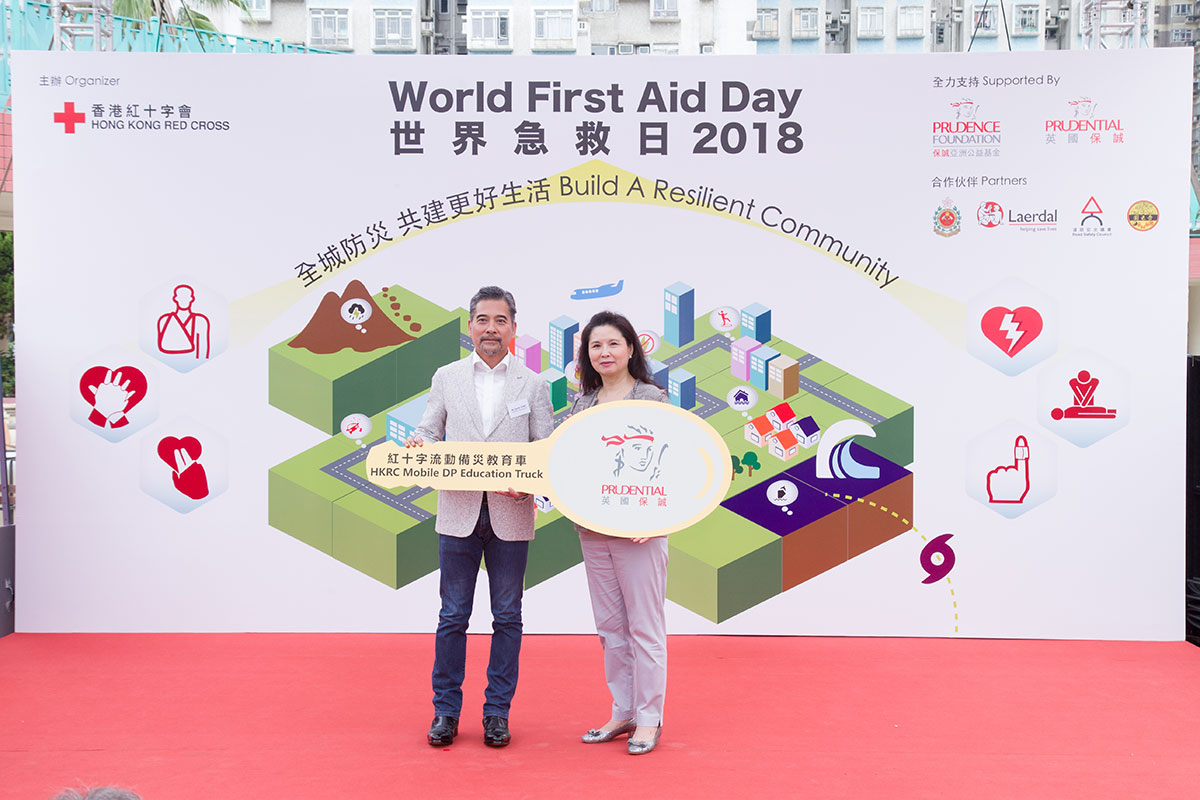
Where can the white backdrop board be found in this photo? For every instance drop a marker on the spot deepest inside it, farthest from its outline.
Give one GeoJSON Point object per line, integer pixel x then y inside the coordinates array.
{"type": "Point", "coordinates": [934, 305]}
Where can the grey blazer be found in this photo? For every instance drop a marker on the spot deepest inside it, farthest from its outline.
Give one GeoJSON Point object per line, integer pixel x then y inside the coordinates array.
{"type": "Point", "coordinates": [453, 414]}
{"type": "Point", "coordinates": [640, 391]}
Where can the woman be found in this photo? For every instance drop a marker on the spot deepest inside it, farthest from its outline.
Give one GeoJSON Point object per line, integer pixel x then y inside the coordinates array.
{"type": "Point", "coordinates": [627, 578]}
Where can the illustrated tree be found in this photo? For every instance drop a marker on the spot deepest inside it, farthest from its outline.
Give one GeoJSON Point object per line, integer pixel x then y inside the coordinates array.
{"type": "Point", "coordinates": [750, 460]}
{"type": "Point", "coordinates": [737, 466]}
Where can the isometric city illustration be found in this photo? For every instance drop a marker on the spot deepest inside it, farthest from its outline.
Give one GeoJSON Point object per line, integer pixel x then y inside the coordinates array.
{"type": "Point", "coordinates": [818, 461]}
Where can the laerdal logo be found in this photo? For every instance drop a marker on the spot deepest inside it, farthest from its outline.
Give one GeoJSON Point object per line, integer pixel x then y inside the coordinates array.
{"type": "Point", "coordinates": [990, 214]}
{"type": "Point", "coordinates": [966, 128]}
{"type": "Point", "coordinates": [69, 117]}
{"type": "Point", "coordinates": [1082, 116]}
{"type": "Point", "coordinates": [637, 461]}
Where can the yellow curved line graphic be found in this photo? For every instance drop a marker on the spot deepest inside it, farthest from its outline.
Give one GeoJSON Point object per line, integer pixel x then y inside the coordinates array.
{"type": "Point", "coordinates": [249, 315]}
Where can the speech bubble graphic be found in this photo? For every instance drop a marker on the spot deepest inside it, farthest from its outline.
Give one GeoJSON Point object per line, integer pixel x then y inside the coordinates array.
{"type": "Point", "coordinates": [629, 469]}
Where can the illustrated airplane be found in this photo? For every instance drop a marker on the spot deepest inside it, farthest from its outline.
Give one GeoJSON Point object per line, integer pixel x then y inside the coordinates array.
{"type": "Point", "coordinates": [591, 292]}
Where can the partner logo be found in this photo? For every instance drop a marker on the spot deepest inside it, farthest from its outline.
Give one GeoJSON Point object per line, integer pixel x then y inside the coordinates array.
{"type": "Point", "coordinates": [1091, 225]}
{"type": "Point", "coordinates": [990, 214]}
{"type": "Point", "coordinates": [1142, 215]}
{"type": "Point", "coordinates": [946, 220]}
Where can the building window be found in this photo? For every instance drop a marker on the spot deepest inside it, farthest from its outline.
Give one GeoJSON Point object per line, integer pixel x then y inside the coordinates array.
{"type": "Point", "coordinates": [910, 22]}
{"type": "Point", "coordinates": [1181, 35]}
{"type": "Point", "coordinates": [985, 22]}
{"type": "Point", "coordinates": [259, 9]}
{"type": "Point", "coordinates": [1027, 19]}
{"type": "Point", "coordinates": [664, 9]}
{"type": "Point", "coordinates": [805, 23]}
{"type": "Point", "coordinates": [664, 49]}
{"type": "Point", "coordinates": [489, 29]}
{"type": "Point", "coordinates": [870, 22]}
{"type": "Point", "coordinates": [604, 6]}
{"type": "Point", "coordinates": [766, 23]}
{"type": "Point", "coordinates": [329, 27]}
{"type": "Point", "coordinates": [443, 6]}
{"type": "Point", "coordinates": [1181, 9]}
{"type": "Point", "coordinates": [393, 28]}
{"type": "Point", "coordinates": [553, 25]}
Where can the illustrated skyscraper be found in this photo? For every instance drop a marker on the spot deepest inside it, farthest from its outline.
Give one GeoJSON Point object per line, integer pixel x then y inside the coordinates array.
{"type": "Point", "coordinates": [679, 313]}
{"type": "Point", "coordinates": [756, 322]}
{"type": "Point", "coordinates": [561, 342]}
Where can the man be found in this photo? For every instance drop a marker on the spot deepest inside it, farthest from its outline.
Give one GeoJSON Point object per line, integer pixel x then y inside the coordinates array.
{"type": "Point", "coordinates": [487, 396]}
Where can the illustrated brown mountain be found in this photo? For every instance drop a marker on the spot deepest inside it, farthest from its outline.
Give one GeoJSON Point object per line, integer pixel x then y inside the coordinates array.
{"type": "Point", "coordinates": [328, 332]}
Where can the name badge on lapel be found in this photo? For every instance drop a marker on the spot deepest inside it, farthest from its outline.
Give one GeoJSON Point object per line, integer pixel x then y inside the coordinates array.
{"type": "Point", "coordinates": [518, 409]}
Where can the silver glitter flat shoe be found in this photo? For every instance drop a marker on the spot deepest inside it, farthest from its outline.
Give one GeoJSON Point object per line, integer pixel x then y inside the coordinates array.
{"type": "Point", "coordinates": [640, 748]}
{"type": "Point", "coordinates": [596, 736]}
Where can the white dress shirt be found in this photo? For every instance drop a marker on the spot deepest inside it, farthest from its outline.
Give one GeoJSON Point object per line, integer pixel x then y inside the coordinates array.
{"type": "Point", "coordinates": [489, 388]}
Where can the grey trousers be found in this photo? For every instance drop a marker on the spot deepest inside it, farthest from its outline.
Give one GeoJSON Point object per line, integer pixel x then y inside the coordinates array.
{"type": "Point", "coordinates": [628, 584]}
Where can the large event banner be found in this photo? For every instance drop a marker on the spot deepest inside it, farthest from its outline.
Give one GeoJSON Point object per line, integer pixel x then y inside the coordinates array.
{"type": "Point", "coordinates": [933, 307]}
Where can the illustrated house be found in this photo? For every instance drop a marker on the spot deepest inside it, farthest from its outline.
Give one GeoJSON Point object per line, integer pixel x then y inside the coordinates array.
{"type": "Point", "coordinates": [807, 431]}
{"type": "Point", "coordinates": [783, 445]}
{"type": "Point", "coordinates": [781, 416]}
{"type": "Point", "coordinates": [758, 430]}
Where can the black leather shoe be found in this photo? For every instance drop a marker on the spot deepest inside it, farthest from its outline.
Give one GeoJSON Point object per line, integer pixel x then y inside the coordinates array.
{"type": "Point", "coordinates": [443, 731]}
{"type": "Point", "coordinates": [495, 732]}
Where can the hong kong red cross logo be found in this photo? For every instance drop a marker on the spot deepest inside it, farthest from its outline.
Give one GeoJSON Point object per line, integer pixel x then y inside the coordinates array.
{"type": "Point", "coordinates": [69, 117]}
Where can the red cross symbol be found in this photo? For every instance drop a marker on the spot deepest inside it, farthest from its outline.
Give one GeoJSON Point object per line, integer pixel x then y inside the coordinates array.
{"type": "Point", "coordinates": [69, 117]}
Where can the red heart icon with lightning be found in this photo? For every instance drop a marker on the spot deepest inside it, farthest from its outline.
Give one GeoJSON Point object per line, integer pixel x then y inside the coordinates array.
{"type": "Point", "coordinates": [1011, 329]}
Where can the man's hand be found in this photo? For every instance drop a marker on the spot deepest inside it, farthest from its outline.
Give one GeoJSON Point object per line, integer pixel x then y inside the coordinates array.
{"type": "Point", "coordinates": [513, 494]}
{"type": "Point", "coordinates": [414, 441]}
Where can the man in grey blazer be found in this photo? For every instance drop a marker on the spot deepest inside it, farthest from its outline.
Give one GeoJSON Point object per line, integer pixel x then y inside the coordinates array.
{"type": "Point", "coordinates": [489, 396]}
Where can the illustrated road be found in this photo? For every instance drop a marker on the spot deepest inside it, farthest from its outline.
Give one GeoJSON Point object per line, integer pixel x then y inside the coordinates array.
{"type": "Point", "coordinates": [706, 406]}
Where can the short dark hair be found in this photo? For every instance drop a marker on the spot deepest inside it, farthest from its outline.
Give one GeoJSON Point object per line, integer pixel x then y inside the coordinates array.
{"type": "Point", "coordinates": [589, 378]}
{"type": "Point", "coordinates": [495, 293]}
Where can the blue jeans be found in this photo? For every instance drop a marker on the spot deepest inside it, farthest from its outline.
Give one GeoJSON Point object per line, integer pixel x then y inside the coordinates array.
{"type": "Point", "coordinates": [459, 561]}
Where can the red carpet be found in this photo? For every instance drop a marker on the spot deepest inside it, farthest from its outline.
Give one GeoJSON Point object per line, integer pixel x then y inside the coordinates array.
{"type": "Point", "coordinates": [231, 716]}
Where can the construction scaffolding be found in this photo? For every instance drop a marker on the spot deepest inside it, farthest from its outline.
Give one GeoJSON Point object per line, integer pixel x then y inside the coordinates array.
{"type": "Point", "coordinates": [1113, 24]}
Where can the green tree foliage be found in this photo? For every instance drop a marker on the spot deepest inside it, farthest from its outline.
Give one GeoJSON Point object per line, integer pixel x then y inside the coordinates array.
{"type": "Point", "coordinates": [750, 459]}
{"type": "Point", "coordinates": [737, 466]}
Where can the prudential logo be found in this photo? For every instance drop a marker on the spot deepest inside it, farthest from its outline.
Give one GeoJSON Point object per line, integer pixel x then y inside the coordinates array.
{"type": "Point", "coordinates": [69, 117]}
